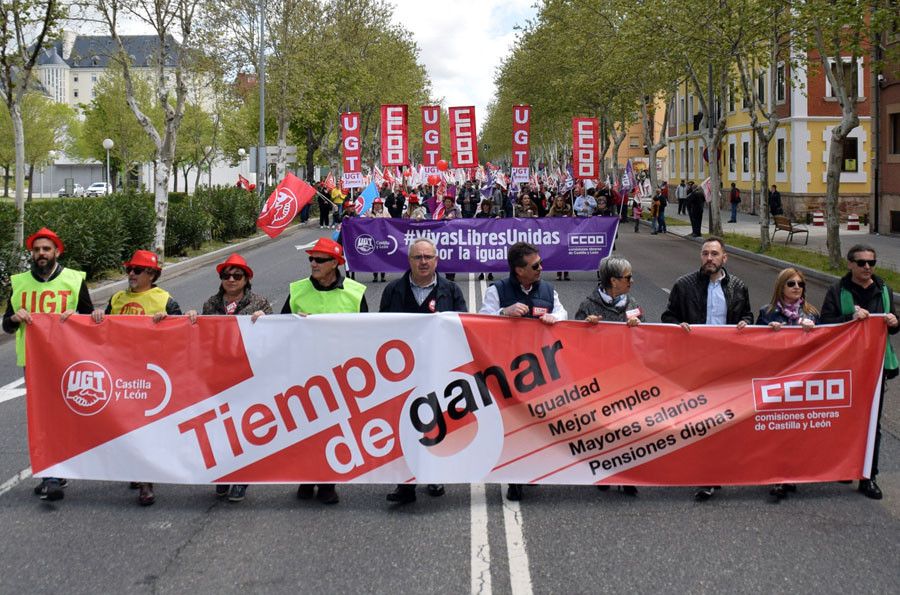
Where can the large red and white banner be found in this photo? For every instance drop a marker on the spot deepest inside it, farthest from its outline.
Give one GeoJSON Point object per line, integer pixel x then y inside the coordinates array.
{"type": "Point", "coordinates": [463, 137]}
{"type": "Point", "coordinates": [431, 137]}
{"type": "Point", "coordinates": [367, 398]}
{"type": "Point", "coordinates": [351, 151]}
{"type": "Point", "coordinates": [394, 135]}
{"type": "Point", "coordinates": [586, 148]}
{"type": "Point", "coordinates": [521, 148]}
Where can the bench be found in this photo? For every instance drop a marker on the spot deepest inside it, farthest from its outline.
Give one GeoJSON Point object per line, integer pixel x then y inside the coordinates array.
{"type": "Point", "coordinates": [782, 223]}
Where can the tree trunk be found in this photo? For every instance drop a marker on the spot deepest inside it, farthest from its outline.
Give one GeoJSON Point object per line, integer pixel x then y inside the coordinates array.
{"type": "Point", "coordinates": [715, 214]}
{"type": "Point", "coordinates": [19, 140]}
{"type": "Point", "coordinates": [281, 157]}
{"type": "Point", "coordinates": [832, 186]}
{"type": "Point", "coordinates": [764, 206]}
{"type": "Point", "coordinates": [6, 181]}
{"type": "Point", "coordinates": [30, 181]}
{"type": "Point", "coordinates": [311, 146]}
{"type": "Point", "coordinates": [161, 204]}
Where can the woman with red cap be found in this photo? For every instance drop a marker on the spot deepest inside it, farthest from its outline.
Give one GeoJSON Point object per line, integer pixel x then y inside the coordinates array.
{"type": "Point", "coordinates": [234, 297]}
{"type": "Point", "coordinates": [414, 210]}
{"type": "Point", "coordinates": [377, 212]}
{"type": "Point", "coordinates": [142, 298]}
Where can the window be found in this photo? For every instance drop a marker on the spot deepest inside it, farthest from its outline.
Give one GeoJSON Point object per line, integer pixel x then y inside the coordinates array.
{"type": "Point", "coordinates": [76, 78]}
{"type": "Point", "coordinates": [761, 87]}
{"type": "Point", "coordinates": [851, 155]}
{"type": "Point", "coordinates": [691, 105]}
{"type": "Point", "coordinates": [895, 134]}
{"type": "Point", "coordinates": [745, 153]}
{"type": "Point", "coordinates": [681, 112]}
{"type": "Point", "coordinates": [732, 159]}
{"type": "Point", "coordinates": [671, 160]}
{"type": "Point", "coordinates": [690, 167]}
{"type": "Point", "coordinates": [779, 155]}
{"type": "Point", "coordinates": [849, 71]}
{"type": "Point", "coordinates": [780, 83]}
{"type": "Point", "coordinates": [731, 100]}
{"type": "Point", "coordinates": [745, 100]}
{"type": "Point", "coordinates": [633, 142]}
{"type": "Point", "coordinates": [683, 160]}
{"type": "Point", "coordinates": [76, 92]}
{"type": "Point", "coordinates": [93, 78]}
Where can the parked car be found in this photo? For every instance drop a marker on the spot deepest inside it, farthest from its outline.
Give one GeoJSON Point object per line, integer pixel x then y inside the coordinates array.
{"type": "Point", "coordinates": [78, 190]}
{"type": "Point", "coordinates": [98, 189]}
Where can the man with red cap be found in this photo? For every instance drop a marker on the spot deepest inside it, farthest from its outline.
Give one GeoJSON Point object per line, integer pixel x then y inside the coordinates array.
{"type": "Point", "coordinates": [142, 298]}
{"type": "Point", "coordinates": [325, 291]}
{"type": "Point", "coordinates": [48, 288]}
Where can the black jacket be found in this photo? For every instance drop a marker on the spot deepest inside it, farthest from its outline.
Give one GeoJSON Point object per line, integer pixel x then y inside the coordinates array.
{"type": "Point", "coordinates": [870, 299]}
{"type": "Point", "coordinates": [446, 297]}
{"type": "Point", "coordinates": [687, 302]}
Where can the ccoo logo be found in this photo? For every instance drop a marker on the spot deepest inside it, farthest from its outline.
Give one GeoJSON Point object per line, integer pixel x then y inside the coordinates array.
{"type": "Point", "coordinates": [86, 387]}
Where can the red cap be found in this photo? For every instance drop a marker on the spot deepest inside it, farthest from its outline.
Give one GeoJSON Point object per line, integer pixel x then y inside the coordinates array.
{"type": "Point", "coordinates": [378, 201]}
{"type": "Point", "coordinates": [45, 233]}
{"type": "Point", "coordinates": [144, 258]}
{"type": "Point", "coordinates": [329, 247]}
{"type": "Point", "coordinates": [413, 199]}
{"type": "Point", "coordinates": [235, 260]}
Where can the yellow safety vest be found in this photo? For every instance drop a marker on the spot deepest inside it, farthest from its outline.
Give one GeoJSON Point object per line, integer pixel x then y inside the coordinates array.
{"type": "Point", "coordinates": [307, 299]}
{"type": "Point", "coordinates": [145, 303]}
{"type": "Point", "coordinates": [45, 297]}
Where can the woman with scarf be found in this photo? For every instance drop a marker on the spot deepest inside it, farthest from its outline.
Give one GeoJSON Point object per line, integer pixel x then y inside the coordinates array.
{"type": "Point", "coordinates": [612, 302]}
{"type": "Point", "coordinates": [788, 307]}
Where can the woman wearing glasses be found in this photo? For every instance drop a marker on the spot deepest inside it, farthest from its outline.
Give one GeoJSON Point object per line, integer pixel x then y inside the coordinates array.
{"type": "Point", "coordinates": [235, 297]}
{"type": "Point", "coordinates": [788, 307]}
{"type": "Point", "coordinates": [612, 302]}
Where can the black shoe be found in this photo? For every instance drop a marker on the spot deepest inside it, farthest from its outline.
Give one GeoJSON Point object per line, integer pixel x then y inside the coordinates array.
{"type": "Point", "coordinates": [629, 490]}
{"type": "Point", "coordinates": [382, 277]}
{"type": "Point", "coordinates": [374, 277]}
{"type": "Point", "coordinates": [404, 494]}
{"type": "Point", "coordinates": [514, 492]}
{"type": "Point", "coordinates": [435, 490]}
{"type": "Point", "coordinates": [559, 276]}
{"type": "Point", "coordinates": [480, 277]}
{"type": "Point", "coordinates": [566, 277]}
{"type": "Point", "coordinates": [603, 488]}
{"type": "Point", "coordinates": [327, 494]}
{"type": "Point", "coordinates": [41, 488]}
{"type": "Point", "coordinates": [305, 491]}
{"type": "Point", "coordinates": [490, 276]}
{"type": "Point", "coordinates": [52, 490]}
{"type": "Point", "coordinates": [846, 481]}
{"type": "Point", "coordinates": [778, 493]}
{"type": "Point", "coordinates": [222, 490]}
{"type": "Point", "coordinates": [237, 493]}
{"type": "Point", "coordinates": [870, 489]}
{"type": "Point", "coordinates": [146, 496]}
{"type": "Point", "coordinates": [133, 485]}
{"type": "Point", "coordinates": [704, 494]}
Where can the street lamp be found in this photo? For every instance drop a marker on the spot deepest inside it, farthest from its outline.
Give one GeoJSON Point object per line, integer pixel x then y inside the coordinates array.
{"type": "Point", "coordinates": [241, 154]}
{"type": "Point", "coordinates": [107, 144]}
{"type": "Point", "coordinates": [52, 155]}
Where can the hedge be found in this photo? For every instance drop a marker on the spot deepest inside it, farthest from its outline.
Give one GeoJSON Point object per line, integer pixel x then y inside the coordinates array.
{"type": "Point", "coordinates": [100, 233]}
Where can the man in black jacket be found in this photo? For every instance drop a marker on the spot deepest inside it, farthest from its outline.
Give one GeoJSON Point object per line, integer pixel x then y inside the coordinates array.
{"type": "Point", "coordinates": [696, 200]}
{"type": "Point", "coordinates": [421, 290]}
{"type": "Point", "coordinates": [709, 296]}
{"type": "Point", "coordinates": [856, 295]}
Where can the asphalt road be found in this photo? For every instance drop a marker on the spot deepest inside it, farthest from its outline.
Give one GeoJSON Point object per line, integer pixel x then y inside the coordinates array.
{"type": "Point", "coordinates": [827, 538]}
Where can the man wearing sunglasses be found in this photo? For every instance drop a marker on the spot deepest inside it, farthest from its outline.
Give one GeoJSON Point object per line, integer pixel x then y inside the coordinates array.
{"type": "Point", "coordinates": [855, 296]}
{"type": "Point", "coordinates": [523, 295]}
{"type": "Point", "coordinates": [48, 288]}
{"type": "Point", "coordinates": [325, 291]}
{"type": "Point", "coordinates": [421, 290]}
{"type": "Point", "coordinates": [142, 298]}
{"type": "Point", "coordinates": [711, 295]}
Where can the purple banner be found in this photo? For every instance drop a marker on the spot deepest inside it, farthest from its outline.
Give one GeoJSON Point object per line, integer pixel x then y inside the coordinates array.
{"type": "Point", "coordinates": [478, 245]}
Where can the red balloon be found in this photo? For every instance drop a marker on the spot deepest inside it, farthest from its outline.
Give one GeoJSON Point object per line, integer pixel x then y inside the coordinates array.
{"type": "Point", "coordinates": [433, 180]}
{"type": "Point", "coordinates": [442, 165]}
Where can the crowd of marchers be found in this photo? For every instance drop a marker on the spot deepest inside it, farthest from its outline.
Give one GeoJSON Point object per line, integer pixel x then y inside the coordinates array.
{"type": "Point", "coordinates": [707, 295]}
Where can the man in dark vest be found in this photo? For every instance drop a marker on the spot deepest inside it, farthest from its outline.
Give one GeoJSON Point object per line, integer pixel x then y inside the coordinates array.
{"type": "Point", "coordinates": [523, 294]}
{"type": "Point", "coordinates": [855, 296]}
{"type": "Point", "coordinates": [47, 288]}
{"type": "Point", "coordinates": [421, 290]}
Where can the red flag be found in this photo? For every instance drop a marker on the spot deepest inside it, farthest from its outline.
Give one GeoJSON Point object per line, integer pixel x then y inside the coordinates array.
{"type": "Point", "coordinates": [291, 195]}
{"type": "Point", "coordinates": [463, 137]}
{"type": "Point", "coordinates": [431, 135]}
{"type": "Point", "coordinates": [520, 142]}
{"type": "Point", "coordinates": [329, 182]}
{"type": "Point", "coordinates": [585, 137]}
{"type": "Point", "coordinates": [394, 135]}
{"type": "Point", "coordinates": [243, 182]}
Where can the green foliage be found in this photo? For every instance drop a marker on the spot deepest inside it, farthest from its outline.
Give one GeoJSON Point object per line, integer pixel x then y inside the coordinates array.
{"type": "Point", "coordinates": [233, 211]}
{"type": "Point", "coordinates": [187, 227]}
{"type": "Point", "coordinates": [138, 219]}
{"type": "Point", "coordinates": [177, 197]}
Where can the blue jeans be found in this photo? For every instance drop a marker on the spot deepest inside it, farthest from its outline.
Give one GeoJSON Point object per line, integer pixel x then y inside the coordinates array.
{"type": "Point", "coordinates": [734, 211]}
{"type": "Point", "coordinates": [661, 220]}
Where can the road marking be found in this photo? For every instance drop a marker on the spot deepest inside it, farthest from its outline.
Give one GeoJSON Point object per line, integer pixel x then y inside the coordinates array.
{"type": "Point", "coordinates": [666, 290]}
{"type": "Point", "coordinates": [15, 480]}
{"type": "Point", "coordinates": [480, 545]}
{"type": "Point", "coordinates": [519, 575]}
{"type": "Point", "coordinates": [13, 390]}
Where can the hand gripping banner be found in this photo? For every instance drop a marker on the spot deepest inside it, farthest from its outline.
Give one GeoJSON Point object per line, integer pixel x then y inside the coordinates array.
{"type": "Point", "coordinates": [371, 398]}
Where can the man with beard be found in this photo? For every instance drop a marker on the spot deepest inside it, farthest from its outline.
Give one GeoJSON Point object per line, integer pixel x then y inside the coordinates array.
{"type": "Point", "coordinates": [523, 295]}
{"type": "Point", "coordinates": [48, 288]}
{"type": "Point", "coordinates": [421, 290]}
{"type": "Point", "coordinates": [711, 295]}
{"type": "Point", "coordinates": [142, 298]}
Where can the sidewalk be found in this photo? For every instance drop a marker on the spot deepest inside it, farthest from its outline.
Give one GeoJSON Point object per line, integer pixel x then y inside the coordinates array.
{"type": "Point", "coordinates": [886, 247]}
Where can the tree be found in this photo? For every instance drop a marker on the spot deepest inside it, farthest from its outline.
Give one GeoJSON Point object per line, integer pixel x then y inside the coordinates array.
{"type": "Point", "coordinates": [170, 59]}
{"type": "Point", "coordinates": [26, 29]}
{"type": "Point", "coordinates": [196, 141]}
{"type": "Point", "coordinates": [108, 116]}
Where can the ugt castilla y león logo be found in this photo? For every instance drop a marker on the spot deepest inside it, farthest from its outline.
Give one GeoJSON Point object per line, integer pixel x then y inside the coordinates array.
{"type": "Point", "coordinates": [86, 387]}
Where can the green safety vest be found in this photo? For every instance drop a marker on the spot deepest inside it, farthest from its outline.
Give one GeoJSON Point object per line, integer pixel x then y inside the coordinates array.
{"type": "Point", "coordinates": [307, 299]}
{"type": "Point", "coordinates": [44, 297]}
{"type": "Point", "coordinates": [848, 307]}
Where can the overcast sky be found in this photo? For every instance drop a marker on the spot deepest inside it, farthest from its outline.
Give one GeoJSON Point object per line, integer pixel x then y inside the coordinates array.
{"type": "Point", "coordinates": [462, 43]}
